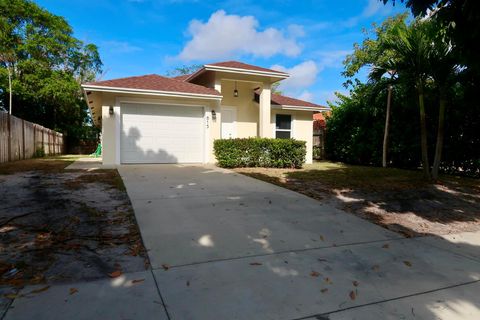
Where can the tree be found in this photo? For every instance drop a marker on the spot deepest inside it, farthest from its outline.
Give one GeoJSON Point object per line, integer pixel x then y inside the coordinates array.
{"type": "Point", "coordinates": [184, 70]}
{"type": "Point", "coordinates": [275, 88]}
{"type": "Point", "coordinates": [410, 45]}
{"type": "Point", "coordinates": [42, 65]}
{"type": "Point", "coordinates": [419, 54]}
{"type": "Point", "coordinates": [443, 70]}
{"type": "Point", "coordinates": [460, 20]}
{"type": "Point", "coordinates": [374, 54]}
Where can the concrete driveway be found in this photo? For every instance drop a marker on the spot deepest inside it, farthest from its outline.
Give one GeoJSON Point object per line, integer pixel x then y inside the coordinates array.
{"type": "Point", "coordinates": [226, 246]}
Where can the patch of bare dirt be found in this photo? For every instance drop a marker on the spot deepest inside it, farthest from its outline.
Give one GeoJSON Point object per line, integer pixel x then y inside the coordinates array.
{"type": "Point", "coordinates": [397, 199]}
{"type": "Point", "coordinates": [66, 226]}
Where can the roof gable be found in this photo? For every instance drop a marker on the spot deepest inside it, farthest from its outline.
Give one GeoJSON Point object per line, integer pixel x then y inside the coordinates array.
{"type": "Point", "coordinates": [243, 66]}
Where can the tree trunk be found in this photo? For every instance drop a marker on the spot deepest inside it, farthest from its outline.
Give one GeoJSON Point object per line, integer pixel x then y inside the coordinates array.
{"type": "Point", "coordinates": [423, 133]}
{"type": "Point", "coordinates": [387, 127]}
{"type": "Point", "coordinates": [440, 134]}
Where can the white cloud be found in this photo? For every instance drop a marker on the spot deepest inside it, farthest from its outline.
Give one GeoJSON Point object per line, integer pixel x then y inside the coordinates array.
{"type": "Point", "coordinates": [306, 96]}
{"type": "Point", "coordinates": [373, 7]}
{"type": "Point", "coordinates": [333, 58]}
{"type": "Point", "coordinates": [302, 75]}
{"type": "Point", "coordinates": [114, 46]}
{"type": "Point", "coordinates": [225, 35]}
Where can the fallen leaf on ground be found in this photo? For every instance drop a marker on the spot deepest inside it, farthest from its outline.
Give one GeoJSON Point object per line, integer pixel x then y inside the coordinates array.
{"type": "Point", "coordinates": [352, 295]}
{"type": "Point", "coordinates": [165, 266]}
{"type": "Point", "coordinates": [73, 291]}
{"type": "Point", "coordinates": [40, 290]}
{"type": "Point", "coordinates": [324, 290]}
{"type": "Point", "coordinates": [115, 274]}
{"type": "Point", "coordinates": [386, 246]}
{"type": "Point", "coordinates": [407, 263]}
{"type": "Point", "coordinates": [138, 280]}
{"type": "Point", "coordinates": [355, 283]}
{"type": "Point", "coordinates": [255, 264]}
{"type": "Point", "coordinates": [314, 273]}
{"type": "Point", "coordinates": [322, 238]}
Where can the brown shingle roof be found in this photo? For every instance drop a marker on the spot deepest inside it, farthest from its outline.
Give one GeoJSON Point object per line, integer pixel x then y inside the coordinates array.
{"type": "Point", "coordinates": [281, 100]}
{"type": "Point", "coordinates": [182, 77]}
{"type": "Point", "coordinates": [155, 82]}
{"type": "Point", "coordinates": [245, 66]}
{"type": "Point", "coordinates": [288, 101]}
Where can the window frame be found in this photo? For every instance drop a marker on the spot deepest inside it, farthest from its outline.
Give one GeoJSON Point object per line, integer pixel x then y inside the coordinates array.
{"type": "Point", "coordinates": [283, 130]}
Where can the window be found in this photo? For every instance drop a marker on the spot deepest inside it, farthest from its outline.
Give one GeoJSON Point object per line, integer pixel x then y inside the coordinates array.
{"type": "Point", "coordinates": [283, 126]}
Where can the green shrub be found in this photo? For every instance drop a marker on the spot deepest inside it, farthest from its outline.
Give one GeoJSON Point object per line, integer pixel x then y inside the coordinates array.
{"type": "Point", "coordinates": [39, 153]}
{"type": "Point", "coordinates": [260, 152]}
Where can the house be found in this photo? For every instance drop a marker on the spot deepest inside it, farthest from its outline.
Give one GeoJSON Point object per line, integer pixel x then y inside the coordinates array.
{"type": "Point", "coordinates": [155, 119]}
{"type": "Point", "coordinates": [319, 122]}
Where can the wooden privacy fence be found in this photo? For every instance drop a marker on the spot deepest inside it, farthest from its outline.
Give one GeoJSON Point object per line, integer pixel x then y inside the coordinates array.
{"type": "Point", "coordinates": [20, 139]}
{"type": "Point", "coordinates": [319, 143]}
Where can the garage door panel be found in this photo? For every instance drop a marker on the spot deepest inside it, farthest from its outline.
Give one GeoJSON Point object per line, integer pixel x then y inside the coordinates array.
{"type": "Point", "coordinates": [162, 134]}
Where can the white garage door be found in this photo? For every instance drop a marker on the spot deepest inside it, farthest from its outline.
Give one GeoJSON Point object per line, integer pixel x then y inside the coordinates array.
{"type": "Point", "coordinates": [161, 134]}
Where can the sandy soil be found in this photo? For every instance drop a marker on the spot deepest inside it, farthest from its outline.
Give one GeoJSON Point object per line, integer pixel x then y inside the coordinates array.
{"type": "Point", "coordinates": [399, 200]}
{"type": "Point", "coordinates": [64, 226]}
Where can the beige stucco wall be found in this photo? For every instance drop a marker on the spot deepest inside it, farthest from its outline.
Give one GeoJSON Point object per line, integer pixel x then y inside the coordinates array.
{"type": "Point", "coordinates": [246, 108]}
{"type": "Point", "coordinates": [302, 128]}
{"type": "Point", "coordinates": [108, 137]}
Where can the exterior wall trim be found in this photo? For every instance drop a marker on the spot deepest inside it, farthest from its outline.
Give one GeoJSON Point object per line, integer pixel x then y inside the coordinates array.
{"type": "Point", "coordinates": [152, 92]}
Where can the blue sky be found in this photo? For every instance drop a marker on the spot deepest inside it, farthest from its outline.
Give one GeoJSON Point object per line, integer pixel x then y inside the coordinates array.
{"type": "Point", "coordinates": [308, 39]}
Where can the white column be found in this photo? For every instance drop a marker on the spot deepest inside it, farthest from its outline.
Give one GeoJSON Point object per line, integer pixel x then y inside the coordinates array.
{"type": "Point", "coordinates": [264, 126]}
{"type": "Point", "coordinates": [109, 137]}
{"type": "Point", "coordinates": [118, 132]}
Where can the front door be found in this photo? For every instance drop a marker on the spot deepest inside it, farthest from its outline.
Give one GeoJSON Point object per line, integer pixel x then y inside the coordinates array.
{"type": "Point", "coordinates": [229, 123]}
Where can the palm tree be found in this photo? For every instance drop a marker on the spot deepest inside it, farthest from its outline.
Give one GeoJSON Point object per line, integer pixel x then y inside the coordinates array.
{"type": "Point", "coordinates": [411, 45]}
{"type": "Point", "coordinates": [374, 53]}
{"type": "Point", "coordinates": [443, 71]}
{"type": "Point", "coordinates": [376, 74]}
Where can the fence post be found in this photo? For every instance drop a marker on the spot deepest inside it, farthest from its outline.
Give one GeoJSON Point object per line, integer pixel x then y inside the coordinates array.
{"type": "Point", "coordinates": [34, 139]}
{"type": "Point", "coordinates": [9, 129]}
{"type": "Point", "coordinates": [43, 141]}
{"type": "Point", "coordinates": [23, 138]}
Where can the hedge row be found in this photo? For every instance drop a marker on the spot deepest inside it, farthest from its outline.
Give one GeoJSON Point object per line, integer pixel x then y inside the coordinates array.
{"type": "Point", "coordinates": [260, 152]}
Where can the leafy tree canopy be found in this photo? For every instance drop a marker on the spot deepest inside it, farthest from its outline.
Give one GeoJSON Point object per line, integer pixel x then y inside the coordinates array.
{"type": "Point", "coordinates": [432, 77]}
{"type": "Point", "coordinates": [47, 65]}
{"type": "Point", "coordinates": [183, 70]}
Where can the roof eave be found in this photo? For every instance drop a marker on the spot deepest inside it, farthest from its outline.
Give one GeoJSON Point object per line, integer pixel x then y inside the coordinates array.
{"type": "Point", "coordinates": [280, 75]}
{"type": "Point", "coordinates": [301, 108]}
{"type": "Point", "coordinates": [151, 92]}
{"type": "Point", "coordinates": [207, 67]}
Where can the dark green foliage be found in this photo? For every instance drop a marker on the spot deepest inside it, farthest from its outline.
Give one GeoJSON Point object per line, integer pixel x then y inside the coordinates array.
{"type": "Point", "coordinates": [435, 88]}
{"type": "Point", "coordinates": [355, 129]}
{"type": "Point", "coordinates": [47, 65]}
{"type": "Point", "coordinates": [39, 153]}
{"type": "Point", "coordinates": [260, 152]}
